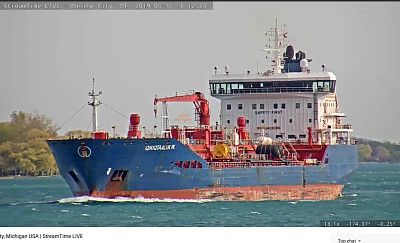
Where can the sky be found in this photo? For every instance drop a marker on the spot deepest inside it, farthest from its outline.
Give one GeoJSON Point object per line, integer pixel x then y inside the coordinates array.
{"type": "Point", "coordinates": [49, 58]}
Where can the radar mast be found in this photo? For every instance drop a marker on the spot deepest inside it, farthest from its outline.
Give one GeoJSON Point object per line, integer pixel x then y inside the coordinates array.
{"type": "Point", "coordinates": [275, 51]}
{"type": "Point", "coordinates": [94, 103]}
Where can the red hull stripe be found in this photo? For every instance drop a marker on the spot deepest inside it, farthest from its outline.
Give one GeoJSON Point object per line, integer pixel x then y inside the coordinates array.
{"type": "Point", "coordinates": [256, 193]}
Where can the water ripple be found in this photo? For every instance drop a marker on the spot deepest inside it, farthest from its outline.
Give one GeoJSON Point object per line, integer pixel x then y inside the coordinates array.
{"type": "Point", "coordinates": [86, 199]}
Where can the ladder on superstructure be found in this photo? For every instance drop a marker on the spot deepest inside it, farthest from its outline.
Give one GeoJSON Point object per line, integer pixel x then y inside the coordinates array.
{"type": "Point", "coordinates": [294, 155]}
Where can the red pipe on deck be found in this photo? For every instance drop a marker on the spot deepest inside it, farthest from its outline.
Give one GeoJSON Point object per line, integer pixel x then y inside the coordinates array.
{"type": "Point", "coordinates": [310, 136]}
{"type": "Point", "coordinates": [204, 113]}
{"type": "Point", "coordinates": [241, 122]}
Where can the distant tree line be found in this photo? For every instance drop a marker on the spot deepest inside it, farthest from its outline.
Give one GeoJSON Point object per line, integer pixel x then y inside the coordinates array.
{"type": "Point", "coordinates": [23, 147]}
{"type": "Point", "coordinates": [374, 151]}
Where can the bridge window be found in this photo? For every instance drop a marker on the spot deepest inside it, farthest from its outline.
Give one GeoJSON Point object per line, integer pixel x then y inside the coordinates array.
{"type": "Point", "coordinates": [290, 120]}
{"type": "Point", "coordinates": [323, 86]}
{"type": "Point", "coordinates": [254, 106]}
{"type": "Point", "coordinates": [302, 136]}
{"type": "Point", "coordinates": [262, 106]}
{"type": "Point", "coordinates": [333, 83]}
{"type": "Point", "coordinates": [247, 121]}
{"type": "Point", "coordinates": [228, 121]}
{"type": "Point", "coordinates": [275, 121]}
{"type": "Point", "coordinates": [213, 88]}
{"type": "Point", "coordinates": [297, 105]}
{"type": "Point", "coordinates": [228, 89]}
{"type": "Point", "coordinates": [279, 136]}
{"type": "Point", "coordinates": [273, 87]}
{"type": "Point", "coordinates": [308, 84]}
{"type": "Point", "coordinates": [262, 121]}
{"type": "Point", "coordinates": [275, 106]}
{"type": "Point", "coordinates": [221, 88]}
{"type": "Point", "coordinates": [240, 106]}
{"type": "Point", "coordinates": [326, 86]}
{"type": "Point", "coordinates": [309, 105]}
{"type": "Point", "coordinates": [309, 120]}
{"type": "Point", "coordinates": [228, 106]}
{"type": "Point", "coordinates": [292, 136]}
{"type": "Point", "coordinates": [283, 106]}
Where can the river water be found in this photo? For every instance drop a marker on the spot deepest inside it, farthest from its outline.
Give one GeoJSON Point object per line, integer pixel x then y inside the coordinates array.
{"type": "Point", "coordinates": [372, 192]}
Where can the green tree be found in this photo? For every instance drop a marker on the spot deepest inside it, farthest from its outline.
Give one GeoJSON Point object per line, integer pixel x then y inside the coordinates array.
{"type": "Point", "coordinates": [12, 155]}
{"type": "Point", "coordinates": [31, 157]}
{"type": "Point", "coordinates": [23, 147]}
{"type": "Point", "coordinates": [382, 153]}
{"type": "Point", "coordinates": [41, 157]}
{"type": "Point", "coordinates": [396, 156]}
{"type": "Point", "coordinates": [24, 122]}
{"type": "Point", "coordinates": [364, 152]}
{"type": "Point", "coordinates": [7, 132]}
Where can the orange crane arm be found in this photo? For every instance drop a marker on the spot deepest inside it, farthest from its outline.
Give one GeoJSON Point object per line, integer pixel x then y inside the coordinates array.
{"type": "Point", "coordinates": [182, 98]}
{"type": "Point", "coordinates": [199, 101]}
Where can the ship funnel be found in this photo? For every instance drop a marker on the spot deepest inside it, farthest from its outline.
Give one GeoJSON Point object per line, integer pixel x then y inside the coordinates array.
{"type": "Point", "coordinates": [290, 52]}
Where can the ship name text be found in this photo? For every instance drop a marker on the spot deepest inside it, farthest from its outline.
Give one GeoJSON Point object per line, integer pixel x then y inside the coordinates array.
{"type": "Point", "coordinates": [160, 147]}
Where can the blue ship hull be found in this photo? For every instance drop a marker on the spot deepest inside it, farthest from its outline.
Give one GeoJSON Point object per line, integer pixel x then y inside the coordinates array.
{"type": "Point", "coordinates": [119, 166]}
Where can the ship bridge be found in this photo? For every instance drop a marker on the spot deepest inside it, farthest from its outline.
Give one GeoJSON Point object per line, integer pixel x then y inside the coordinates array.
{"type": "Point", "coordinates": [223, 85]}
{"type": "Point", "coordinates": [281, 105]}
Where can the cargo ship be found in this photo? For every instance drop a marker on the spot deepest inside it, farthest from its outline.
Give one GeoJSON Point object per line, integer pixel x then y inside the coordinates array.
{"type": "Point", "coordinates": [280, 137]}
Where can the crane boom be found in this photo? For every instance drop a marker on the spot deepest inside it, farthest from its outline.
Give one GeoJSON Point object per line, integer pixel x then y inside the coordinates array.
{"type": "Point", "coordinates": [199, 101]}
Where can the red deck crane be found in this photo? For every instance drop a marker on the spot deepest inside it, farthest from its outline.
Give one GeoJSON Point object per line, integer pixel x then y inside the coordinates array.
{"type": "Point", "coordinates": [199, 101]}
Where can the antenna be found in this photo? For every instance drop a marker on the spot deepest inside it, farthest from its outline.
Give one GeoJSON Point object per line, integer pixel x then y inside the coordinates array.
{"type": "Point", "coordinates": [94, 103]}
{"type": "Point", "coordinates": [275, 53]}
{"type": "Point", "coordinates": [257, 66]}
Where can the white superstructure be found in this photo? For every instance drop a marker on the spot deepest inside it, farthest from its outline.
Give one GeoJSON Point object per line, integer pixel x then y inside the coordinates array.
{"type": "Point", "coordinates": [284, 101]}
